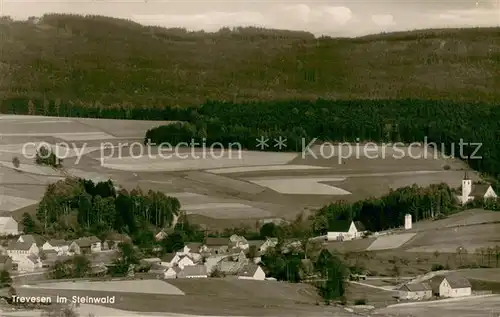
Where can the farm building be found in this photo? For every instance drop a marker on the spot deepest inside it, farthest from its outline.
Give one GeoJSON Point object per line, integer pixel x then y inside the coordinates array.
{"type": "Point", "coordinates": [32, 238]}
{"type": "Point", "coordinates": [346, 230]}
{"type": "Point", "coordinates": [59, 246]}
{"type": "Point", "coordinates": [252, 272]}
{"type": "Point", "coordinates": [114, 239]}
{"type": "Point", "coordinates": [5, 263]}
{"type": "Point", "coordinates": [415, 291]}
{"type": "Point", "coordinates": [216, 245]}
{"type": "Point", "coordinates": [450, 286]}
{"type": "Point", "coordinates": [193, 271]}
{"type": "Point", "coordinates": [170, 259]}
{"type": "Point", "coordinates": [472, 191]}
{"type": "Point", "coordinates": [171, 272]}
{"type": "Point", "coordinates": [8, 226]}
{"type": "Point", "coordinates": [269, 243]}
{"type": "Point", "coordinates": [87, 245]}
{"type": "Point", "coordinates": [18, 250]}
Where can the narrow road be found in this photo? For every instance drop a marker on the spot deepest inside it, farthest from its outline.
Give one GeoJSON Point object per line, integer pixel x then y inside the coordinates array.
{"type": "Point", "coordinates": [384, 288]}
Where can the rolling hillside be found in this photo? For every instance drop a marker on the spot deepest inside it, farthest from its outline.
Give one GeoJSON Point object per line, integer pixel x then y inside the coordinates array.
{"type": "Point", "coordinates": [110, 61]}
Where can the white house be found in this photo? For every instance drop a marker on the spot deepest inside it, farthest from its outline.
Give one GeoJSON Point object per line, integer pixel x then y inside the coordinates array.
{"type": "Point", "coordinates": [451, 286]}
{"type": "Point", "coordinates": [252, 272]}
{"type": "Point", "coordinates": [472, 191]}
{"type": "Point", "coordinates": [17, 250]}
{"type": "Point", "coordinates": [269, 243]}
{"type": "Point", "coordinates": [28, 263]}
{"type": "Point", "coordinates": [8, 226]}
{"type": "Point", "coordinates": [61, 247]}
{"type": "Point", "coordinates": [171, 272]}
{"type": "Point", "coordinates": [415, 291]}
{"type": "Point", "coordinates": [170, 260]}
{"type": "Point", "coordinates": [193, 271]}
{"type": "Point", "coordinates": [344, 230]}
{"type": "Point", "coordinates": [185, 261]}
{"type": "Point", "coordinates": [161, 235]}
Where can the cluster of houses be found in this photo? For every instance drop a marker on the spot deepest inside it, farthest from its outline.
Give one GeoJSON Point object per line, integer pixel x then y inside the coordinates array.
{"type": "Point", "coordinates": [215, 257]}
{"type": "Point", "coordinates": [438, 286]}
{"type": "Point", "coordinates": [31, 252]}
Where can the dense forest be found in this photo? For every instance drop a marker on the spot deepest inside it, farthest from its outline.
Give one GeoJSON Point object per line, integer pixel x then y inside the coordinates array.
{"type": "Point", "coordinates": [74, 207]}
{"type": "Point", "coordinates": [106, 62]}
{"type": "Point", "coordinates": [388, 211]}
{"type": "Point", "coordinates": [444, 122]}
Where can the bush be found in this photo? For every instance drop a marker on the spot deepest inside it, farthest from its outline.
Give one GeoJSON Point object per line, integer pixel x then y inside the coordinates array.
{"type": "Point", "coordinates": [360, 301]}
{"type": "Point", "coordinates": [446, 167]}
{"type": "Point", "coordinates": [437, 267]}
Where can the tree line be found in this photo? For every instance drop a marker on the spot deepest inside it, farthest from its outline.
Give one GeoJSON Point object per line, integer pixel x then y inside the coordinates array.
{"type": "Point", "coordinates": [388, 211]}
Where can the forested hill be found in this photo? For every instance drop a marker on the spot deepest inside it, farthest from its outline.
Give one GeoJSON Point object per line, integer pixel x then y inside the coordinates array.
{"type": "Point", "coordinates": [103, 61]}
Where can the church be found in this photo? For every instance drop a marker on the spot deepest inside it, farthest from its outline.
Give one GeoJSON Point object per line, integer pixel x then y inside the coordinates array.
{"type": "Point", "coordinates": [472, 191]}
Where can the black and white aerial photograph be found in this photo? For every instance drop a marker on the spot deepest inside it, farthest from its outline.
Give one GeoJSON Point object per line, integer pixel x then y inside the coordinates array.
{"type": "Point", "coordinates": [249, 158]}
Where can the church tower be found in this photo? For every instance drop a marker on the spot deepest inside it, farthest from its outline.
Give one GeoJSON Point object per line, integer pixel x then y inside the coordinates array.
{"type": "Point", "coordinates": [466, 188]}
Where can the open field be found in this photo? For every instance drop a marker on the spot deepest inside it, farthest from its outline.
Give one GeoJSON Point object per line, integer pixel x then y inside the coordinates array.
{"type": "Point", "coordinates": [269, 185]}
{"type": "Point", "coordinates": [217, 297]}
{"type": "Point", "coordinates": [463, 307]}
{"type": "Point", "coordinates": [135, 286]}
{"type": "Point", "coordinates": [392, 241]}
{"type": "Point", "coordinates": [232, 170]}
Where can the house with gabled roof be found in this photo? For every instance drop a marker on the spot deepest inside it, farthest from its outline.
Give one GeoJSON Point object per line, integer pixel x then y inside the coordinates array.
{"type": "Point", "coordinates": [415, 291]}
{"type": "Point", "coordinates": [172, 272]}
{"type": "Point", "coordinates": [87, 245]}
{"type": "Point", "coordinates": [471, 191]}
{"type": "Point", "coordinates": [8, 226]}
{"type": "Point", "coordinates": [450, 286]}
{"type": "Point", "coordinates": [236, 241]}
{"type": "Point", "coordinates": [32, 238]}
{"type": "Point", "coordinates": [17, 249]}
{"type": "Point", "coordinates": [184, 261]}
{"type": "Point", "coordinates": [252, 272]}
{"type": "Point", "coordinates": [58, 245]}
{"type": "Point", "coordinates": [216, 245]}
{"type": "Point", "coordinates": [342, 230]}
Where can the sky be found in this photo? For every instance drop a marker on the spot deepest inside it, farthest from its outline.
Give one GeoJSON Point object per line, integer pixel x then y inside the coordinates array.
{"type": "Point", "coordinates": [334, 18]}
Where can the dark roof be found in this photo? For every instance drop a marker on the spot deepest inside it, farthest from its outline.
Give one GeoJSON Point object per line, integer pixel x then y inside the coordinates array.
{"type": "Point", "coordinates": [479, 190]}
{"type": "Point", "coordinates": [14, 245]}
{"type": "Point", "coordinates": [58, 243]}
{"type": "Point", "coordinates": [455, 281]}
{"type": "Point", "coordinates": [340, 226]}
{"type": "Point", "coordinates": [87, 241]}
{"type": "Point", "coordinates": [33, 258]}
{"type": "Point", "coordinates": [168, 257]}
{"type": "Point", "coordinates": [217, 242]}
{"type": "Point", "coordinates": [359, 226]}
{"type": "Point", "coordinates": [257, 243]}
{"type": "Point", "coordinates": [33, 238]}
{"type": "Point", "coordinates": [194, 246]}
{"type": "Point", "coordinates": [249, 270]}
{"type": "Point", "coordinates": [416, 287]}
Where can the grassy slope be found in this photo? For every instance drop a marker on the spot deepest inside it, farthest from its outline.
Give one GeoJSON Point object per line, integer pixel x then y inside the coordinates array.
{"type": "Point", "coordinates": [110, 60]}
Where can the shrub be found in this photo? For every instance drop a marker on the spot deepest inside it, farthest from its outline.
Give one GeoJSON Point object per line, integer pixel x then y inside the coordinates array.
{"type": "Point", "coordinates": [360, 301]}
{"type": "Point", "coordinates": [437, 267]}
